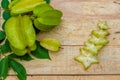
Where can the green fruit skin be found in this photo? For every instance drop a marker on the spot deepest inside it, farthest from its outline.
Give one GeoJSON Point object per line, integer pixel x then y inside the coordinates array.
{"type": "Point", "coordinates": [50, 17]}
{"type": "Point", "coordinates": [24, 51]}
{"type": "Point", "coordinates": [20, 33]}
{"type": "Point", "coordinates": [42, 27]}
{"type": "Point", "coordinates": [28, 29]}
{"type": "Point", "coordinates": [50, 44]}
{"type": "Point", "coordinates": [24, 6]}
{"type": "Point", "coordinates": [13, 3]}
{"type": "Point", "coordinates": [33, 47]}
{"type": "Point", "coordinates": [18, 51]}
{"type": "Point", "coordinates": [38, 10]}
{"type": "Point", "coordinates": [13, 33]}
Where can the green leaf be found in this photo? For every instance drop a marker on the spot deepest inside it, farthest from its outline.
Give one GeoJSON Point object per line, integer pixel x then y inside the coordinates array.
{"type": "Point", "coordinates": [6, 15]}
{"type": "Point", "coordinates": [5, 4]}
{"type": "Point", "coordinates": [5, 47]}
{"type": "Point", "coordinates": [2, 36]}
{"type": "Point", "coordinates": [26, 57]}
{"type": "Point", "coordinates": [19, 69]}
{"type": "Point", "coordinates": [47, 1]}
{"type": "Point", "coordinates": [40, 52]}
{"type": "Point", "coordinates": [3, 25]}
{"type": "Point", "coordinates": [3, 68]}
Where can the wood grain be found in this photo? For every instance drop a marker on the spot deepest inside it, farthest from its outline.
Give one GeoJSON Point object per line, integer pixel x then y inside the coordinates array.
{"type": "Point", "coordinates": [68, 78]}
{"type": "Point", "coordinates": [77, 9]}
{"type": "Point", "coordinates": [80, 18]}
{"type": "Point", "coordinates": [76, 32]}
{"type": "Point", "coordinates": [63, 63]}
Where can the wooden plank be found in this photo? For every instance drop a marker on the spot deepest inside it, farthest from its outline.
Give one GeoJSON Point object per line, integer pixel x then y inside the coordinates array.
{"type": "Point", "coordinates": [73, 8]}
{"type": "Point", "coordinates": [80, 17]}
{"type": "Point", "coordinates": [89, 0]}
{"type": "Point", "coordinates": [76, 32]}
{"type": "Point", "coordinates": [63, 63]}
{"type": "Point", "coordinates": [73, 25]}
{"type": "Point", "coordinates": [68, 78]}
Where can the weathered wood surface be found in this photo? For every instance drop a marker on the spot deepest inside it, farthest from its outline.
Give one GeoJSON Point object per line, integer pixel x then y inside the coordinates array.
{"type": "Point", "coordinates": [63, 63]}
{"type": "Point", "coordinates": [68, 78]}
{"type": "Point", "coordinates": [80, 18]}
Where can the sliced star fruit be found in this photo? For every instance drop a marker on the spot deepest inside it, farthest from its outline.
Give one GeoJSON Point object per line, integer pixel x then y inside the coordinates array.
{"type": "Point", "coordinates": [92, 48]}
{"type": "Point", "coordinates": [50, 44]}
{"type": "Point", "coordinates": [103, 25]}
{"type": "Point", "coordinates": [98, 41]}
{"type": "Point", "coordinates": [95, 43]}
{"type": "Point", "coordinates": [38, 10]}
{"type": "Point", "coordinates": [100, 33]}
{"type": "Point", "coordinates": [86, 58]}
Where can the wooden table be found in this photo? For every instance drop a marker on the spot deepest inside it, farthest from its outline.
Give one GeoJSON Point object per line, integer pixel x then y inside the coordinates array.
{"type": "Point", "coordinates": [80, 18]}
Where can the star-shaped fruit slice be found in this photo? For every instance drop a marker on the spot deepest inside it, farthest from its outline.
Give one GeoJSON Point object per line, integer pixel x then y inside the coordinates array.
{"type": "Point", "coordinates": [86, 58]}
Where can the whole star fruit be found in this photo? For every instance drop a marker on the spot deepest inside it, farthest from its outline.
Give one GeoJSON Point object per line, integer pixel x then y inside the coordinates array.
{"type": "Point", "coordinates": [21, 34]}
{"type": "Point", "coordinates": [38, 10]}
{"type": "Point", "coordinates": [42, 27]}
{"type": "Point", "coordinates": [50, 44]}
{"type": "Point", "coordinates": [24, 6]}
{"type": "Point", "coordinates": [48, 20]}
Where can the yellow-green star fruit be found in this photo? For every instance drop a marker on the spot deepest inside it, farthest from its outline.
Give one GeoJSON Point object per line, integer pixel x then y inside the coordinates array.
{"type": "Point", "coordinates": [18, 51]}
{"type": "Point", "coordinates": [24, 6]}
{"type": "Point", "coordinates": [51, 17]}
{"type": "Point", "coordinates": [38, 10]}
{"type": "Point", "coordinates": [13, 33]}
{"type": "Point", "coordinates": [92, 48]}
{"type": "Point", "coordinates": [20, 33]}
{"type": "Point", "coordinates": [33, 47]}
{"type": "Point", "coordinates": [95, 43]}
{"type": "Point", "coordinates": [98, 40]}
{"type": "Point", "coordinates": [50, 44]}
{"type": "Point", "coordinates": [100, 33]}
{"type": "Point", "coordinates": [42, 27]}
{"type": "Point", "coordinates": [13, 3]}
{"type": "Point", "coordinates": [103, 25]}
{"type": "Point", "coordinates": [48, 20]}
{"type": "Point", "coordinates": [86, 58]}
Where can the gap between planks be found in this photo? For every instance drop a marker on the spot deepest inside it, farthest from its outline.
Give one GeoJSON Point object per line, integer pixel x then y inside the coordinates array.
{"type": "Point", "coordinates": [68, 75]}
{"type": "Point", "coordinates": [63, 63]}
{"type": "Point", "coordinates": [94, 77]}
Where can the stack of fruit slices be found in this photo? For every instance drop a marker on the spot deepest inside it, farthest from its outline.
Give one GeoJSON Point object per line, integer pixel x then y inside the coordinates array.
{"type": "Point", "coordinates": [88, 54]}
